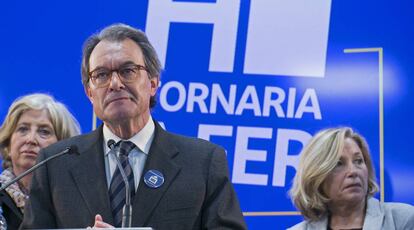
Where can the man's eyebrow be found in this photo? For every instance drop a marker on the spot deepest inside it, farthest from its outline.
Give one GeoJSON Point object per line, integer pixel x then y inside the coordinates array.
{"type": "Point", "coordinates": [127, 63]}
{"type": "Point", "coordinates": [123, 64]}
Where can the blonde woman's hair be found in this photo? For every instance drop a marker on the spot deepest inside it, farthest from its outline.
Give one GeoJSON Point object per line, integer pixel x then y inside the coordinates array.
{"type": "Point", "coordinates": [317, 160]}
{"type": "Point", "coordinates": [64, 123]}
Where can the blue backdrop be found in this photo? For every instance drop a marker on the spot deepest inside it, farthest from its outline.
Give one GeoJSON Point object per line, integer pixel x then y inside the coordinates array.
{"type": "Point", "coordinates": [257, 77]}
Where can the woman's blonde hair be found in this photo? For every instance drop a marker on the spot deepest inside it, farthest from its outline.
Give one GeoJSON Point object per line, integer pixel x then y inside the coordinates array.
{"type": "Point", "coordinates": [64, 123]}
{"type": "Point", "coordinates": [317, 160]}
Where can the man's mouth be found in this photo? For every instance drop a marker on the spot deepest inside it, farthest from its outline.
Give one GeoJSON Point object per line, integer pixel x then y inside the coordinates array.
{"type": "Point", "coordinates": [116, 99]}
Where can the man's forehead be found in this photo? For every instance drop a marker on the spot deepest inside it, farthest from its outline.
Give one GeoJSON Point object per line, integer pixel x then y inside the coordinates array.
{"type": "Point", "coordinates": [115, 52]}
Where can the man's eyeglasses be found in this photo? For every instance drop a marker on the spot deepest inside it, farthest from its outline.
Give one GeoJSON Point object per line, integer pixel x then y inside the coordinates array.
{"type": "Point", "coordinates": [101, 77]}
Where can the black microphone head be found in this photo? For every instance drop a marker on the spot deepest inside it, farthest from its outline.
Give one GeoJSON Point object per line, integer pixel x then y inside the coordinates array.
{"type": "Point", "coordinates": [73, 149]}
{"type": "Point", "coordinates": [111, 143]}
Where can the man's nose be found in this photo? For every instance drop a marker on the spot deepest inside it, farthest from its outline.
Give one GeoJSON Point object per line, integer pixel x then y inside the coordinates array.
{"type": "Point", "coordinates": [115, 81]}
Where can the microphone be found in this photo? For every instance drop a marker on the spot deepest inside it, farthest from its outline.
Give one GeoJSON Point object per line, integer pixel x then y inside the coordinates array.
{"type": "Point", "coordinates": [68, 150]}
{"type": "Point", "coordinates": [127, 211]}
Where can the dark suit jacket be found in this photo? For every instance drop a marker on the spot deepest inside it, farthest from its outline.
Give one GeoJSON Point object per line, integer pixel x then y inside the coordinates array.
{"type": "Point", "coordinates": [11, 212]}
{"type": "Point", "coordinates": [197, 193]}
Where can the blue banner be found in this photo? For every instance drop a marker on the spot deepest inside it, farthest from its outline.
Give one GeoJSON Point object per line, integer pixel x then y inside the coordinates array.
{"type": "Point", "coordinates": [257, 77]}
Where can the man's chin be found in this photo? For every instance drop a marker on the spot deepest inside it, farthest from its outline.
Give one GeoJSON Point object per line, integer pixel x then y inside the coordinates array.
{"type": "Point", "coordinates": [119, 117]}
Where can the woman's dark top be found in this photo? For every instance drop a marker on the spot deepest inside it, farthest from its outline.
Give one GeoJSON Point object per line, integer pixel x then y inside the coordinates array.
{"type": "Point", "coordinates": [13, 215]}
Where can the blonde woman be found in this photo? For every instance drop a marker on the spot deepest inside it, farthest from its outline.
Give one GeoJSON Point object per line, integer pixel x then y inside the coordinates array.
{"type": "Point", "coordinates": [335, 183]}
{"type": "Point", "coordinates": [33, 122]}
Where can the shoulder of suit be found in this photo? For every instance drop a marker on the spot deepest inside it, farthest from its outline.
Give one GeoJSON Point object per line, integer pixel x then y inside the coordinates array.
{"type": "Point", "coordinates": [178, 138]}
{"type": "Point", "coordinates": [83, 141]}
{"type": "Point", "coordinates": [398, 206]}
{"type": "Point", "coordinates": [375, 204]}
{"type": "Point", "coordinates": [299, 226]}
{"type": "Point", "coordinates": [399, 213]}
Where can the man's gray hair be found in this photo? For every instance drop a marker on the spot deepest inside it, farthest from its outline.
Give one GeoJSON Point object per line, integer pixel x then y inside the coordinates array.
{"type": "Point", "coordinates": [118, 33]}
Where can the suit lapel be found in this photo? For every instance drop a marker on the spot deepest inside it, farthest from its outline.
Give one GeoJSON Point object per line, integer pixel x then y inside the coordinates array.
{"type": "Point", "coordinates": [373, 218]}
{"type": "Point", "coordinates": [319, 224]}
{"type": "Point", "coordinates": [160, 158]}
{"type": "Point", "coordinates": [90, 178]}
{"type": "Point", "coordinates": [374, 215]}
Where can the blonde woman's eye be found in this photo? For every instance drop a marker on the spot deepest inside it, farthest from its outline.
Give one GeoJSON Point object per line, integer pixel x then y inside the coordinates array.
{"type": "Point", "coordinates": [22, 129]}
{"type": "Point", "coordinates": [359, 161]}
{"type": "Point", "coordinates": [45, 132]}
{"type": "Point", "coordinates": [339, 164]}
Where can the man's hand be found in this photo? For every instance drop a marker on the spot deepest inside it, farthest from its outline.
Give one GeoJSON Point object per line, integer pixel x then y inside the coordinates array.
{"type": "Point", "coordinates": [99, 223]}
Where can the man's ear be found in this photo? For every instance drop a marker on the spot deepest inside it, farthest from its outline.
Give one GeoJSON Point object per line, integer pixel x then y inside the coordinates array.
{"type": "Point", "coordinates": [155, 82]}
{"type": "Point", "coordinates": [88, 92]}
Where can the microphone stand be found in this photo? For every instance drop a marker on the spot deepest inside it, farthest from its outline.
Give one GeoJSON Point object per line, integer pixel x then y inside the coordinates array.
{"type": "Point", "coordinates": [34, 167]}
{"type": "Point", "coordinates": [127, 210]}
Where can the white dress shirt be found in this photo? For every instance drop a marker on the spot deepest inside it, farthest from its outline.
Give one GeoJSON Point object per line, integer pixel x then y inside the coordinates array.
{"type": "Point", "coordinates": [137, 157]}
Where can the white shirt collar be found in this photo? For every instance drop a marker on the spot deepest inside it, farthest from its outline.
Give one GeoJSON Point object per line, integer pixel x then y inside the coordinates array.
{"type": "Point", "coordinates": [142, 139]}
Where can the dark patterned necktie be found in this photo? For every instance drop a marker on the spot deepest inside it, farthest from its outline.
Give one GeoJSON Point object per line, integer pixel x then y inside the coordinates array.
{"type": "Point", "coordinates": [117, 188]}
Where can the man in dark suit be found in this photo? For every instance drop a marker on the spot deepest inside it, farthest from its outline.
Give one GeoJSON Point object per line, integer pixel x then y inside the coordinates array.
{"type": "Point", "coordinates": [176, 182]}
